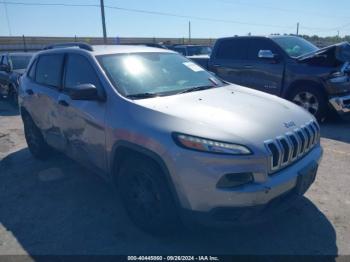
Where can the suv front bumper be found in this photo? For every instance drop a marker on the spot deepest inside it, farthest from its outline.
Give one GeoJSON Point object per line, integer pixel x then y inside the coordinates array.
{"type": "Point", "coordinates": [201, 198]}
{"type": "Point", "coordinates": [238, 216]}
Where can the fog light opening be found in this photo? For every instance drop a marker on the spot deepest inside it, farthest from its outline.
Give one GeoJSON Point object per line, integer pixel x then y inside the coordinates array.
{"type": "Point", "coordinates": [235, 180]}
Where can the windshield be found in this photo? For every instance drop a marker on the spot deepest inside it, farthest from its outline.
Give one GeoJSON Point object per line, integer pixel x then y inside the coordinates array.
{"type": "Point", "coordinates": [198, 50]}
{"type": "Point", "coordinates": [295, 46]}
{"type": "Point", "coordinates": [155, 73]}
{"type": "Point", "coordinates": [20, 61]}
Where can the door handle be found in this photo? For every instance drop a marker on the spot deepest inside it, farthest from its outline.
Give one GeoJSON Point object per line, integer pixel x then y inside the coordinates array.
{"type": "Point", "coordinates": [29, 92]}
{"type": "Point", "coordinates": [63, 103]}
{"type": "Point", "coordinates": [248, 66]}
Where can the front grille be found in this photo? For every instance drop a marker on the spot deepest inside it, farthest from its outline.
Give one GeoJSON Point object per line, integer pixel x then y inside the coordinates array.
{"type": "Point", "coordinates": [286, 149]}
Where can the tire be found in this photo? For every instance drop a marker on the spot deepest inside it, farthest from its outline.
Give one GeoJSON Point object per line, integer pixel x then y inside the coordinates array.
{"type": "Point", "coordinates": [13, 95]}
{"type": "Point", "coordinates": [35, 140]}
{"type": "Point", "coordinates": [146, 196]}
{"type": "Point", "coordinates": [312, 99]}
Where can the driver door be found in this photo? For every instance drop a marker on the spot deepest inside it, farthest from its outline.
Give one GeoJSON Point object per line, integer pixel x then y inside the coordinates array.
{"type": "Point", "coordinates": [82, 121]}
{"type": "Point", "coordinates": [263, 74]}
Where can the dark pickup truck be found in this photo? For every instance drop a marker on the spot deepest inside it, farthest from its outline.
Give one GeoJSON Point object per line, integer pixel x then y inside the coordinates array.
{"type": "Point", "coordinates": [289, 67]}
{"type": "Point", "coordinates": [12, 66]}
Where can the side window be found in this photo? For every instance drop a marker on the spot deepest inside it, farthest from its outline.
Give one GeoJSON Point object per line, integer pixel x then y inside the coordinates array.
{"type": "Point", "coordinates": [5, 60]}
{"type": "Point", "coordinates": [79, 71]}
{"type": "Point", "coordinates": [1, 57]}
{"type": "Point", "coordinates": [255, 45]}
{"type": "Point", "coordinates": [49, 69]}
{"type": "Point", "coordinates": [32, 70]}
{"type": "Point", "coordinates": [180, 50]}
{"type": "Point", "coordinates": [235, 49]}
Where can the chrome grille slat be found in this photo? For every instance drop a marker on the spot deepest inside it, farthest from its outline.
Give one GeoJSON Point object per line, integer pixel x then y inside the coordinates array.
{"type": "Point", "coordinates": [296, 145]}
{"type": "Point", "coordinates": [302, 137]}
{"type": "Point", "coordinates": [314, 133]}
{"type": "Point", "coordinates": [288, 148]}
{"type": "Point", "coordinates": [309, 137]}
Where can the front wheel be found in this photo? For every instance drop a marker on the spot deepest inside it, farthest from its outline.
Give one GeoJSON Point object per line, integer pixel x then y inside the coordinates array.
{"type": "Point", "coordinates": [312, 99]}
{"type": "Point", "coordinates": [146, 196]}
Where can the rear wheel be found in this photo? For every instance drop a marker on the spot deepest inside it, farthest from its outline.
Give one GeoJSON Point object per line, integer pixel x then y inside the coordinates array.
{"type": "Point", "coordinates": [35, 140]}
{"type": "Point", "coordinates": [312, 99]}
{"type": "Point", "coordinates": [146, 196]}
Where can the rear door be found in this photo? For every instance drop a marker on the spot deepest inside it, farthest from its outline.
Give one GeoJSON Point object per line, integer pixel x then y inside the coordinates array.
{"type": "Point", "coordinates": [82, 122]}
{"type": "Point", "coordinates": [228, 59]}
{"type": "Point", "coordinates": [41, 94]}
{"type": "Point", "coordinates": [263, 74]}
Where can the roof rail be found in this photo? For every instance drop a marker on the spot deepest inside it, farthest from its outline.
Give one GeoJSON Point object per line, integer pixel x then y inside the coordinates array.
{"type": "Point", "coordinates": [81, 45]}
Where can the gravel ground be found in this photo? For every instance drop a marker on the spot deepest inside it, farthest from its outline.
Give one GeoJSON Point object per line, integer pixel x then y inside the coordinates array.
{"type": "Point", "coordinates": [58, 207]}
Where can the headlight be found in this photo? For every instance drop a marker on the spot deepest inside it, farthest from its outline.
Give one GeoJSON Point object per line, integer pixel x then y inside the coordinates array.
{"type": "Point", "coordinates": [211, 146]}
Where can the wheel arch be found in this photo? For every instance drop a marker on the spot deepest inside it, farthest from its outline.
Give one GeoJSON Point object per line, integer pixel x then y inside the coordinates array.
{"type": "Point", "coordinates": [303, 82]}
{"type": "Point", "coordinates": [123, 149]}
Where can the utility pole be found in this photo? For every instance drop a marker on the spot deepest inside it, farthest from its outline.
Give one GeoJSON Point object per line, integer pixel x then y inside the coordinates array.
{"type": "Point", "coordinates": [8, 20]}
{"type": "Point", "coordinates": [189, 31]}
{"type": "Point", "coordinates": [298, 28]}
{"type": "Point", "coordinates": [103, 22]}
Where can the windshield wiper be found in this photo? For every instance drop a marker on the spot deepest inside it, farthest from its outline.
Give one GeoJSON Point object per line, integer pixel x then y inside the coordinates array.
{"type": "Point", "coordinates": [142, 95]}
{"type": "Point", "coordinates": [196, 88]}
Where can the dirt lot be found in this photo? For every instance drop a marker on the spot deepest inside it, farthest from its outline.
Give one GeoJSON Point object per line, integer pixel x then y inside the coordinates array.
{"type": "Point", "coordinates": [58, 207]}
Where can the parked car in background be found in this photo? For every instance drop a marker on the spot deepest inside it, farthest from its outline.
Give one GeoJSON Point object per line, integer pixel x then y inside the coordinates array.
{"type": "Point", "coordinates": [12, 66]}
{"type": "Point", "coordinates": [192, 50]}
{"type": "Point", "coordinates": [287, 66]}
{"type": "Point", "coordinates": [156, 45]}
{"type": "Point", "coordinates": [178, 143]}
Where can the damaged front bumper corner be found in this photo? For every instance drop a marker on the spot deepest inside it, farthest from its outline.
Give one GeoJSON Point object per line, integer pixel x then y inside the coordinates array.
{"type": "Point", "coordinates": [341, 104]}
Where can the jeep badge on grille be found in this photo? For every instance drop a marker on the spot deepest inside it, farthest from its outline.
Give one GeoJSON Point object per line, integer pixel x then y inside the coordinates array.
{"type": "Point", "coordinates": [289, 124]}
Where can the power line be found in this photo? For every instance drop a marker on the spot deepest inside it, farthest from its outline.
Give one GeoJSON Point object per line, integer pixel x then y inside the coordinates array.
{"type": "Point", "coordinates": [282, 9]}
{"type": "Point", "coordinates": [150, 12]}
{"type": "Point", "coordinates": [318, 29]}
{"type": "Point", "coordinates": [183, 16]}
{"type": "Point", "coordinates": [327, 29]}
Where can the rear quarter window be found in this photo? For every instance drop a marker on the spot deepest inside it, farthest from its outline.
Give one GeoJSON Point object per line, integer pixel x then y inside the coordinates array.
{"type": "Point", "coordinates": [49, 70]}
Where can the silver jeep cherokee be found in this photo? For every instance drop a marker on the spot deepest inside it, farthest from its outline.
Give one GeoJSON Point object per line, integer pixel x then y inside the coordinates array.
{"type": "Point", "coordinates": [178, 143]}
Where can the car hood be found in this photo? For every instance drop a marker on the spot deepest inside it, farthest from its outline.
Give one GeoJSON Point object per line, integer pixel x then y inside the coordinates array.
{"type": "Point", "coordinates": [340, 52]}
{"type": "Point", "coordinates": [233, 110]}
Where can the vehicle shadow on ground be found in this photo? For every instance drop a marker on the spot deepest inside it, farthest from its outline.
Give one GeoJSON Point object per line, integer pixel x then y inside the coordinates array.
{"type": "Point", "coordinates": [336, 129]}
{"type": "Point", "coordinates": [7, 109]}
{"type": "Point", "coordinates": [58, 207]}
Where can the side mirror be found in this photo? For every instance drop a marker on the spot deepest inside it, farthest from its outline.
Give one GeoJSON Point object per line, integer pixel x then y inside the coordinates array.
{"type": "Point", "coordinates": [266, 54]}
{"type": "Point", "coordinates": [5, 68]}
{"type": "Point", "coordinates": [84, 92]}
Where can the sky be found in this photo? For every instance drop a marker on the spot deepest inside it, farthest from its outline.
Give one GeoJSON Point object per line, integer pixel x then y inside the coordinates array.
{"type": "Point", "coordinates": [209, 18]}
